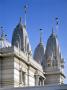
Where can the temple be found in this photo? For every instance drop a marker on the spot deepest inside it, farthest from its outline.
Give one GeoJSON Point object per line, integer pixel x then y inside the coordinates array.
{"type": "Point", "coordinates": [19, 68]}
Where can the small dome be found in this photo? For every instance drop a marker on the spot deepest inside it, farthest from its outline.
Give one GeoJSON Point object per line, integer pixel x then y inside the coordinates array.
{"type": "Point", "coordinates": [39, 53]}
{"type": "Point", "coordinates": [52, 51]}
{"type": "Point", "coordinates": [20, 38]}
{"type": "Point", "coordinates": [4, 43]}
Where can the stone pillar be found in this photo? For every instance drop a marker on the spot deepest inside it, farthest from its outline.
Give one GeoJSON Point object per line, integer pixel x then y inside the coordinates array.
{"type": "Point", "coordinates": [28, 74]}
{"type": "Point", "coordinates": [36, 80]}
{"type": "Point", "coordinates": [43, 82]}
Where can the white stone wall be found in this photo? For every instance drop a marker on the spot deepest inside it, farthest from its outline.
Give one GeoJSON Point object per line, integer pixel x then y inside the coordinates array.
{"type": "Point", "coordinates": [12, 61]}
{"type": "Point", "coordinates": [18, 64]}
{"type": "Point", "coordinates": [31, 76]}
{"type": "Point", "coordinates": [7, 72]}
{"type": "Point", "coordinates": [29, 73]}
{"type": "Point", "coordinates": [54, 75]}
{"type": "Point", "coordinates": [52, 79]}
{"type": "Point", "coordinates": [0, 72]}
{"type": "Point", "coordinates": [16, 72]}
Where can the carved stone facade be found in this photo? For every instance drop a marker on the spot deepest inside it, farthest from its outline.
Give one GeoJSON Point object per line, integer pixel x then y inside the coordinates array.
{"type": "Point", "coordinates": [18, 68]}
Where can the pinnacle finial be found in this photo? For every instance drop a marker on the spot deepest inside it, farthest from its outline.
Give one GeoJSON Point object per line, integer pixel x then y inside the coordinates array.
{"type": "Point", "coordinates": [57, 22]}
{"type": "Point", "coordinates": [20, 19]}
{"type": "Point", "coordinates": [52, 30]}
{"type": "Point", "coordinates": [25, 11]}
{"type": "Point", "coordinates": [3, 35]}
{"type": "Point", "coordinates": [41, 35]}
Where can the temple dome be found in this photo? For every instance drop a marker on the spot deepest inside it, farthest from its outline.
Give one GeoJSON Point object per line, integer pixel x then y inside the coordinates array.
{"type": "Point", "coordinates": [52, 45]}
{"type": "Point", "coordinates": [39, 53]}
{"type": "Point", "coordinates": [20, 38]}
{"type": "Point", "coordinates": [4, 43]}
{"type": "Point", "coordinates": [52, 53]}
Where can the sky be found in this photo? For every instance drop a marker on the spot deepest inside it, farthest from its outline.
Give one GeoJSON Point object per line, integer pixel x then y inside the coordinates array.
{"type": "Point", "coordinates": [40, 14]}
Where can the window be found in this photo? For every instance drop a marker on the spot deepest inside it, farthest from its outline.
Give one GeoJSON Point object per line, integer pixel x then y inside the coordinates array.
{"type": "Point", "coordinates": [49, 62]}
{"type": "Point", "coordinates": [49, 65]}
{"type": "Point", "coordinates": [54, 62]}
{"type": "Point", "coordinates": [22, 77]}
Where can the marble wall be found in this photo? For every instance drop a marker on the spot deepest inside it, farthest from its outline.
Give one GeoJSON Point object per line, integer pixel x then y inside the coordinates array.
{"type": "Point", "coordinates": [7, 72]}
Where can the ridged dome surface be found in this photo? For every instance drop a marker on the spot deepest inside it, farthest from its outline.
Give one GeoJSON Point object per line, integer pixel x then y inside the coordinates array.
{"type": "Point", "coordinates": [39, 53]}
{"type": "Point", "coordinates": [20, 38]}
{"type": "Point", "coordinates": [17, 36]}
{"type": "Point", "coordinates": [52, 51]}
{"type": "Point", "coordinates": [52, 45]}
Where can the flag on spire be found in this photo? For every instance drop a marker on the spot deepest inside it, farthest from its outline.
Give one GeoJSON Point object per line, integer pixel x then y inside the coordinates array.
{"type": "Point", "coordinates": [56, 20]}
{"type": "Point", "coordinates": [41, 35]}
